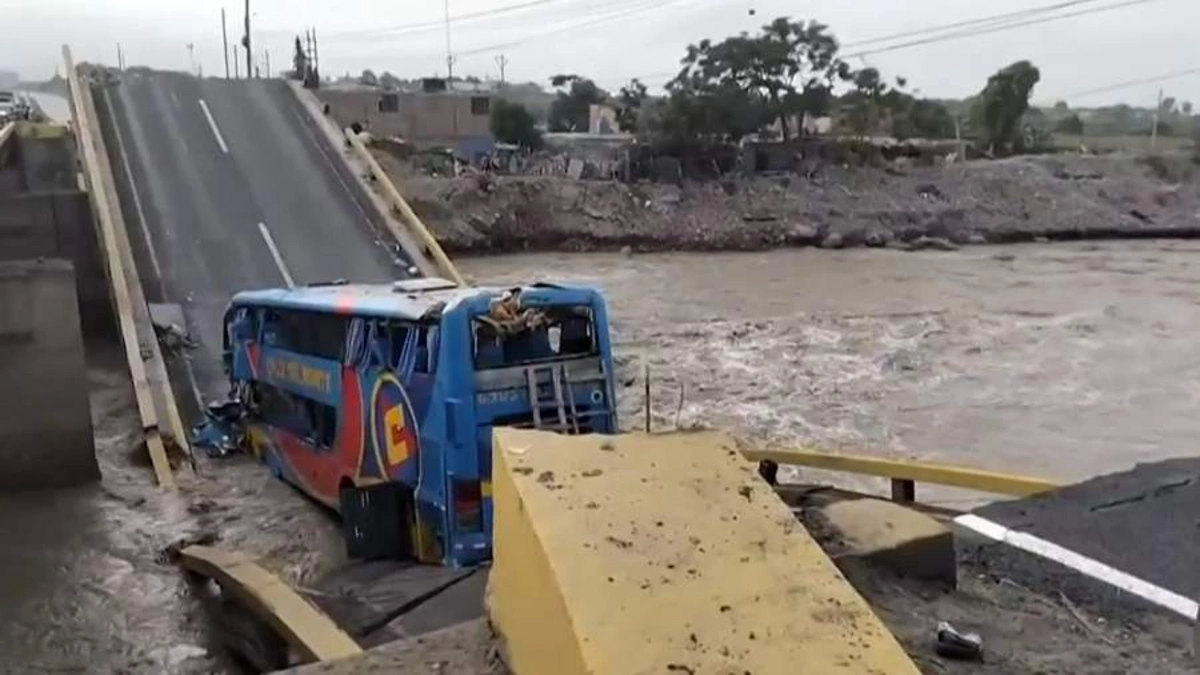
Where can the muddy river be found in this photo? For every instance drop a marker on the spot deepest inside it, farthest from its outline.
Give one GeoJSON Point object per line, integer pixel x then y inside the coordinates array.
{"type": "Point", "coordinates": [1061, 361]}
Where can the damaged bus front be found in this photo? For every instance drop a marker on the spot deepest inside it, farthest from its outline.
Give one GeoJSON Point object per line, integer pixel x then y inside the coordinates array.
{"type": "Point", "coordinates": [379, 400]}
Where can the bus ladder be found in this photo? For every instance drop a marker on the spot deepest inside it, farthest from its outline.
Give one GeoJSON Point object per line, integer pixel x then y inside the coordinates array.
{"type": "Point", "coordinates": [559, 380]}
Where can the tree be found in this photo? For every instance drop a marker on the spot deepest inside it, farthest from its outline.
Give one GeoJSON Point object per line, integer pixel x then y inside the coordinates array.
{"type": "Point", "coordinates": [1186, 107]}
{"type": "Point", "coordinates": [1003, 103]}
{"type": "Point", "coordinates": [922, 118]}
{"type": "Point", "coordinates": [1061, 108]}
{"type": "Point", "coordinates": [629, 106]}
{"type": "Point", "coordinates": [390, 81]}
{"type": "Point", "coordinates": [368, 78]}
{"type": "Point", "coordinates": [512, 123]}
{"type": "Point", "coordinates": [1071, 124]}
{"type": "Point", "coordinates": [572, 106]}
{"type": "Point", "coordinates": [299, 61]}
{"type": "Point", "coordinates": [865, 105]}
{"type": "Point", "coordinates": [784, 73]}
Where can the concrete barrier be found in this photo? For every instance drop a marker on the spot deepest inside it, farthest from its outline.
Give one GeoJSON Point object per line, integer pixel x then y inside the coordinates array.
{"type": "Point", "coordinates": [665, 553]}
{"type": "Point", "coordinates": [59, 225]}
{"type": "Point", "coordinates": [45, 419]}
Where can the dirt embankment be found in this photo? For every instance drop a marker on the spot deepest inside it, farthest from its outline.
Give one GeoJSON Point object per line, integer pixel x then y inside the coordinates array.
{"type": "Point", "coordinates": [1013, 200]}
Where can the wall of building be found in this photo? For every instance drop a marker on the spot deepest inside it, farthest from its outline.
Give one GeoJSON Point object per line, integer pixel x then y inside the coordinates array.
{"type": "Point", "coordinates": [459, 121]}
{"type": "Point", "coordinates": [45, 420]}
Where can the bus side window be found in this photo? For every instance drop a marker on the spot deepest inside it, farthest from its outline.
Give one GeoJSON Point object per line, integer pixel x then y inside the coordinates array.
{"type": "Point", "coordinates": [398, 333]}
{"type": "Point", "coordinates": [427, 350]}
{"type": "Point", "coordinates": [272, 325]}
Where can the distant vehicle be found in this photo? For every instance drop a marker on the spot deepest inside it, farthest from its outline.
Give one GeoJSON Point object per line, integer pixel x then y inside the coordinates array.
{"type": "Point", "coordinates": [13, 107]}
{"type": "Point", "coordinates": [379, 400]}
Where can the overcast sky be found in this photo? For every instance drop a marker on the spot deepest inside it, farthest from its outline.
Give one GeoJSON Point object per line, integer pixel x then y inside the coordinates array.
{"type": "Point", "coordinates": [613, 40]}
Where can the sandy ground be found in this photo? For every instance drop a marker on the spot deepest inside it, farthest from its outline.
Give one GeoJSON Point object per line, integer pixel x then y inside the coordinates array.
{"type": "Point", "coordinates": [1066, 196]}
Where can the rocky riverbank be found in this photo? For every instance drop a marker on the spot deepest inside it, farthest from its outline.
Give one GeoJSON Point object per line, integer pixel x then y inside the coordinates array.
{"type": "Point", "coordinates": [1060, 197]}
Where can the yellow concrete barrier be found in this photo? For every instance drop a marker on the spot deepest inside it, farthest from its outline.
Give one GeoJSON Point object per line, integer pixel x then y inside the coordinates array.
{"type": "Point", "coordinates": [663, 554]}
{"type": "Point", "coordinates": [302, 625]}
{"type": "Point", "coordinates": [899, 469]}
{"type": "Point", "coordinates": [445, 266]}
{"type": "Point", "coordinates": [127, 297]}
{"type": "Point", "coordinates": [6, 132]}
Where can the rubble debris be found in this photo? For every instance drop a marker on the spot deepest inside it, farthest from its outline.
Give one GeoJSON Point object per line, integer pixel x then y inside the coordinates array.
{"type": "Point", "coordinates": [952, 644]}
{"type": "Point", "coordinates": [223, 432]}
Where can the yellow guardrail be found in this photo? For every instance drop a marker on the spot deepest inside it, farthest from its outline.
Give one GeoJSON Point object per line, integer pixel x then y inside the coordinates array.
{"type": "Point", "coordinates": [904, 474]}
{"type": "Point", "coordinates": [445, 266]}
{"type": "Point", "coordinates": [296, 620]}
{"type": "Point", "coordinates": [126, 294]}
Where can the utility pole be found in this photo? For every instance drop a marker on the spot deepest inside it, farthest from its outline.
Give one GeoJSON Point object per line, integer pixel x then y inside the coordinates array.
{"type": "Point", "coordinates": [502, 61]}
{"type": "Point", "coordinates": [120, 58]}
{"type": "Point", "coordinates": [316, 57]}
{"type": "Point", "coordinates": [225, 43]}
{"type": "Point", "coordinates": [267, 55]}
{"type": "Point", "coordinates": [246, 41]}
{"type": "Point", "coordinates": [192, 56]}
{"type": "Point", "coordinates": [1154, 128]}
{"type": "Point", "coordinates": [237, 73]}
{"type": "Point", "coordinates": [449, 54]}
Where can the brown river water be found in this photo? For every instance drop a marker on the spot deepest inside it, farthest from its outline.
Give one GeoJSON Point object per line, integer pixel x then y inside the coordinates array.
{"type": "Point", "coordinates": [1063, 361]}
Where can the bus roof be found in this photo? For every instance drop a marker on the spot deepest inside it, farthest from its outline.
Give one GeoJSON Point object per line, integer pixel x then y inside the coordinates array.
{"type": "Point", "coordinates": [410, 299]}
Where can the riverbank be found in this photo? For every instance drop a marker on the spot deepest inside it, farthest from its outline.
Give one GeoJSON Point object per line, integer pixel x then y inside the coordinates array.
{"type": "Point", "coordinates": [1021, 199]}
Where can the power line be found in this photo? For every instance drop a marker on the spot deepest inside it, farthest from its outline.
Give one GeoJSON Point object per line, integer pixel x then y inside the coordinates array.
{"type": "Point", "coordinates": [1133, 83]}
{"type": "Point", "coordinates": [976, 26]}
{"type": "Point", "coordinates": [994, 18]}
{"type": "Point", "coordinates": [992, 29]}
{"type": "Point", "coordinates": [426, 26]}
{"type": "Point", "coordinates": [639, 8]}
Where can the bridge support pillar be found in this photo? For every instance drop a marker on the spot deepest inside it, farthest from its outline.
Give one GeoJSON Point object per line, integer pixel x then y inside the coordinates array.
{"type": "Point", "coordinates": [45, 419]}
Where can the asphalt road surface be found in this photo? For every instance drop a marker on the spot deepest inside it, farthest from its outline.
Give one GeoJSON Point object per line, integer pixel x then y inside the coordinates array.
{"type": "Point", "coordinates": [227, 185]}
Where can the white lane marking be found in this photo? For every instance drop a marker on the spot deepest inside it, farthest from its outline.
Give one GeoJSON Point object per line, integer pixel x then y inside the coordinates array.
{"type": "Point", "coordinates": [266, 235]}
{"type": "Point", "coordinates": [175, 100]}
{"type": "Point", "coordinates": [1183, 606]}
{"type": "Point", "coordinates": [189, 371]}
{"type": "Point", "coordinates": [213, 123]}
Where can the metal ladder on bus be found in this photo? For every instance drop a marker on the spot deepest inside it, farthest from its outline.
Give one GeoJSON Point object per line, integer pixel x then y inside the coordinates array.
{"type": "Point", "coordinates": [563, 411]}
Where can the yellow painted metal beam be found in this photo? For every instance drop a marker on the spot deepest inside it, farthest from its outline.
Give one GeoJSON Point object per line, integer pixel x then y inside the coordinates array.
{"type": "Point", "coordinates": [900, 469]}
{"type": "Point", "coordinates": [660, 554]}
{"type": "Point", "coordinates": [302, 625]}
{"type": "Point", "coordinates": [445, 267]}
{"type": "Point", "coordinates": [107, 212]}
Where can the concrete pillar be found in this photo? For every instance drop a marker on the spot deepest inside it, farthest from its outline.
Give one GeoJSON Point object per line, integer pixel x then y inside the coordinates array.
{"type": "Point", "coordinates": [45, 419]}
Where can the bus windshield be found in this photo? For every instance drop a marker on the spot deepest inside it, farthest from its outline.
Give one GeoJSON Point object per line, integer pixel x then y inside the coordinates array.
{"type": "Point", "coordinates": [510, 336]}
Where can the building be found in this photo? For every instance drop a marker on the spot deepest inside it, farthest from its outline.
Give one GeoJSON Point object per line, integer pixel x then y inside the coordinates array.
{"type": "Point", "coordinates": [437, 118]}
{"type": "Point", "coordinates": [602, 119]}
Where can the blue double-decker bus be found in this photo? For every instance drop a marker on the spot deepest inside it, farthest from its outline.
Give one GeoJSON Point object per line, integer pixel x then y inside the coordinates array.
{"type": "Point", "coordinates": [379, 400]}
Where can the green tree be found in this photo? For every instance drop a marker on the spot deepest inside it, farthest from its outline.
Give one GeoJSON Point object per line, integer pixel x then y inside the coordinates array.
{"type": "Point", "coordinates": [390, 81]}
{"type": "Point", "coordinates": [1072, 124]}
{"type": "Point", "coordinates": [512, 123]}
{"type": "Point", "coordinates": [299, 61]}
{"type": "Point", "coordinates": [629, 106]}
{"type": "Point", "coordinates": [1186, 108]}
{"type": "Point", "coordinates": [571, 109]}
{"type": "Point", "coordinates": [368, 78]}
{"type": "Point", "coordinates": [922, 118]}
{"type": "Point", "coordinates": [1002, 105]}
{"type": "Point", "coordinates": [785, 72]}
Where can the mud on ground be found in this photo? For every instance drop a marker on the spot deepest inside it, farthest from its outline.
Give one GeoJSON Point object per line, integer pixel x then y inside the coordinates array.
{"type": "Point", "coordinates": [1068, 196]}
